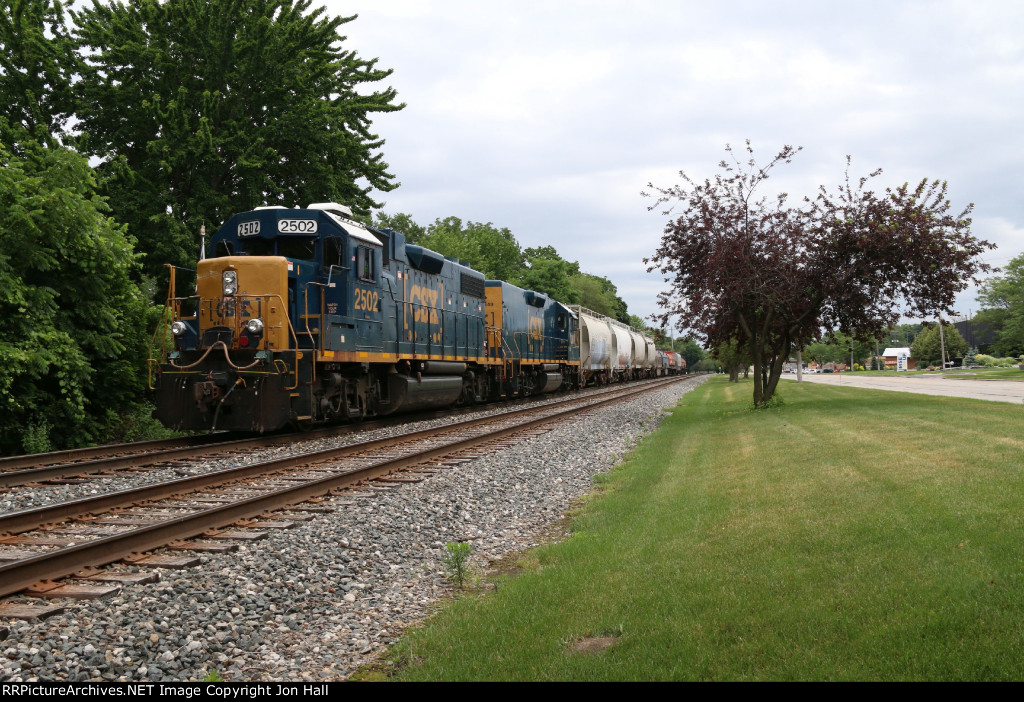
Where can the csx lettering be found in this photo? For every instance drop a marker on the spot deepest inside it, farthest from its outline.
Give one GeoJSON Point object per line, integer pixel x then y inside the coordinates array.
{"type": "Point", "coordinates": [226, 307]}
{"type": "Point", "coordinates": [427, 299]}
{"type": "Point", "coordinates": [536, 328]}
{"type": "Point", "coordinates": [366, 300]}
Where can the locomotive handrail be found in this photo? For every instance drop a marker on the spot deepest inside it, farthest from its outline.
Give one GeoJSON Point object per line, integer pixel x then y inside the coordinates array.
{"type": "Point", "coordinates": [305, 318]}
{"type": "Point", "coordinates": [537, 357]}
{"type": "Point", "coordinates": [171, 304]}
{"type": "Point", "coordinates": [174, 305]}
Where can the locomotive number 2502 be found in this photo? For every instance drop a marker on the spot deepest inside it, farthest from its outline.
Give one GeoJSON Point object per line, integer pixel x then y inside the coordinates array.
{"type": "Point", "coordinates": [366, 300]}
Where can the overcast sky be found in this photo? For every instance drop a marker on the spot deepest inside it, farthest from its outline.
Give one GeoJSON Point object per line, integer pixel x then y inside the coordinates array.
{"type": "Point", "coordinates": [550, 118]}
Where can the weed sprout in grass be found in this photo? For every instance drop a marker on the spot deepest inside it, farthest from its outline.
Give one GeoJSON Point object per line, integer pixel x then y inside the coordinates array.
{"type": "Point", "coordinates": [456, 561]}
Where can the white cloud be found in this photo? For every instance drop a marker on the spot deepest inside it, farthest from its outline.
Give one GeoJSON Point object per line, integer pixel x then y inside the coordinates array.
{"type": "Point", "coordinates": [549, 118]}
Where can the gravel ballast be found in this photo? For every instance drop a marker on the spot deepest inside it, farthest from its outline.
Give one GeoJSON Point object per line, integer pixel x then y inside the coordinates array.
{"type": "Point", "coordinates": [317, 601]}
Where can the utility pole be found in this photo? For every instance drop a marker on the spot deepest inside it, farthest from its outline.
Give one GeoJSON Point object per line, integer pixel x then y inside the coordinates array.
{"type": "Point", "coordinates": [942, 343]}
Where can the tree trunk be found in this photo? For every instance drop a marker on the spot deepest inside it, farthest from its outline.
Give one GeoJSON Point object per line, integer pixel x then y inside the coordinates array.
{"type": "Point", "coordinates": [757, 354]}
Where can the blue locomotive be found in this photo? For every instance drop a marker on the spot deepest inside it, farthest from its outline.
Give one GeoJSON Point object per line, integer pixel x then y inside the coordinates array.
{"type": "Point", "coordinates": [305, 316]}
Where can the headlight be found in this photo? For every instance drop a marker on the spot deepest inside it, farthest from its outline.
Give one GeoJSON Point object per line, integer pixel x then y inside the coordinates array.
{"type": "Point", "coordinates": [178, 328]}
{"type": "Point", "coordinates": [255, 326]}
{"type": "Point", "coordinates": [230, 281]}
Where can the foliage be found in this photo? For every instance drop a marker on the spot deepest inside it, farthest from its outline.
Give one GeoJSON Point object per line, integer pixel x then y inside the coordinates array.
{"type": "Point", "coordinates": [70, 345]}
{"type": "Point", "coordinates": [400, 222]}
{"type": "Point", "coordinates": [692, 352]}
{"type": "Point", "coordinates": [900, 335]}
{"type": "Point", "coordinates": [707, 365]}
{"type": "Point", "coordinates": [496, 253]}
{"type": "Point", "coordinates": [1002, 298]}
{"type": "Point", "coordinates": [836, 349]}
{"type": "Point", "coordinates": [992, 361]}
{"type": "Point", "coordinates": [772, 276]}
{"type": "Point", "coordinates": [456, 561]}
{"type": "Point", "coordinates": [37, 62]}
{"type": "Point", "coordinates": [549, 273]}
{"type": "Point", "coordinates": [600, 295]}
{"type": "Point", "coordinates": [198, 110]}
{"type": "Point", "coordinates": [733, 357]}
{"type": "Point", "coordinates": [490, 250]}
{"type": "Point", "coordinates": [927, 346]}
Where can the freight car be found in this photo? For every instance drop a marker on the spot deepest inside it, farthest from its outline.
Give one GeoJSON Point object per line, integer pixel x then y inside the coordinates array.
{"type": "Point", "coordinates": [306, 316]}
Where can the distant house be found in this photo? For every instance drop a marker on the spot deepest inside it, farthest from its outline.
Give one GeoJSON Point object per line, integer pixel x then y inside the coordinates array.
{"type": "Point", "coordinates": [892, 355]}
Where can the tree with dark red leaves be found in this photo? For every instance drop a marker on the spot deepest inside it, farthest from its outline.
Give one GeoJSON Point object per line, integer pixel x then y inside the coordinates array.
{"type": "Point", "coordinates": [774, 277]}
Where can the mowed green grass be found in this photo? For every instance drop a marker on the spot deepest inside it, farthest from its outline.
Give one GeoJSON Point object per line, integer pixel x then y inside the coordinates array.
{"type": "Point", "coordinates": [847, 535]}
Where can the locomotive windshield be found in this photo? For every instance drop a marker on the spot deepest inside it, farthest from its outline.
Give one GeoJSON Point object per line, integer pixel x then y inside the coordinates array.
{"type": "Point", "coordinates": [293, 247]}
{"type": "Point", "coordinates": [303, 248]}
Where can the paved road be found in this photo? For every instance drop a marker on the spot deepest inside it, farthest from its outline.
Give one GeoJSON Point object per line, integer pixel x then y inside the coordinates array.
{"type": "Point", "coordinates": [995, 390]}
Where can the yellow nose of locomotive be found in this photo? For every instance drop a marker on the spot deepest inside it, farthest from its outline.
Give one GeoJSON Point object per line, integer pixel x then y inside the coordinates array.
{"type": "Point", "coordinates": [243, 302]}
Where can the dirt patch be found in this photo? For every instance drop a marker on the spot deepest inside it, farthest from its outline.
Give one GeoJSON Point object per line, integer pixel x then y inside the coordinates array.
{"type": "Point", "coordinates": [595, 644]}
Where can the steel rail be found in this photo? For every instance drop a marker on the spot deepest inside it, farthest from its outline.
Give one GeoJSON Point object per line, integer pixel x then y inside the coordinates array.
{"type": "Point", "coordinates": [11, 463]}
{"type": "Point", "coordinates": [175, 449]}
{"type": "Point", "coordinates": [26, 520]}
{"type": "Point", "coordinates": [19, 575]}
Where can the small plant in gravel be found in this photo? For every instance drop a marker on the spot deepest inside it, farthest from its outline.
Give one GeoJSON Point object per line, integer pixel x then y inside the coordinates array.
{"type": "Point", "coordinates": [456, 561]}
{"type": "Point", "coordinates": [213, 676]}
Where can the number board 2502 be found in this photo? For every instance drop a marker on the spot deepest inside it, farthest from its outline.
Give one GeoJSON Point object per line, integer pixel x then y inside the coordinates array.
{"type": "Point", "coordinates": [296, 226]}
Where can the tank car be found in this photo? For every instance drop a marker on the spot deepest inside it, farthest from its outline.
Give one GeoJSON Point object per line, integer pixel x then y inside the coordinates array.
{"type": "Point", "coordinates": [597, 347]}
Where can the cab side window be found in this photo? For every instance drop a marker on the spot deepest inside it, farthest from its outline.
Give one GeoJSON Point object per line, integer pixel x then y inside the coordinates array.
{"type": "Point", "coordinates": [334, 252]}
{"type": "Point", "coordinates": [365, 263]}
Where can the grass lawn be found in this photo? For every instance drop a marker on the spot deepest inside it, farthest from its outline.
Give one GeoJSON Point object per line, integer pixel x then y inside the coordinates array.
{"type": "Point", "coordinates": [847, 535]}
{"type": "Point", "coordinates": [986, 374]}
{"type": "Point", "coordinates": [960, 373]}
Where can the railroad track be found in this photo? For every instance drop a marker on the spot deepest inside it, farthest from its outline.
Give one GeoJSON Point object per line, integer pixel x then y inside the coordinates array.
{"type": "Point", "coordinates": [59, 540]}
{"type": "Point", "coordinates": [77, 465]}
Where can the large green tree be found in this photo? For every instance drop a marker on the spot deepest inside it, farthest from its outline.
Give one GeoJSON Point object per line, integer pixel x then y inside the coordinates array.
{"type": "Point", "coordinates": [600, 295]}
{"type": "Point", "coordinates": [37, 62]}
{"type": "Point", "coordinates": [549, 273]}
{"type": "Point", "coordinates": [927, 346]}
{"type": "Point", "coordinates": [400, 222]}
{"type": "Point", "coordinates": [72, 337]}
{"type": "Point", "coordinates": [199, 109]}
{"type": "Point", "coordinates": [491, 250]}
{"type": "Point", "coordinates": [496, 253]}
{"type": "Point", "coordinates": [1002, 300]}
